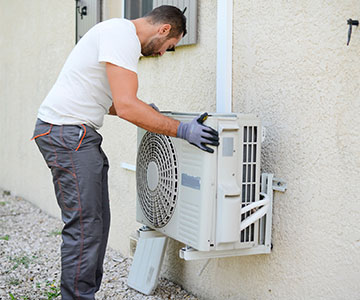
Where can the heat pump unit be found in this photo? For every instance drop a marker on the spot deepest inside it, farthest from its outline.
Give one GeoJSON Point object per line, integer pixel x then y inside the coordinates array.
{"type": "Point", "coordinates": [209, 202]}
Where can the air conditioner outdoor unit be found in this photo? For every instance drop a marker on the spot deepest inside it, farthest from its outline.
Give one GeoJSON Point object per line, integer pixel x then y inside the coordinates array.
{"type": "Point", "coordinates": [217, 204]}
{"type": "Point", "coordinates": [210, 202]}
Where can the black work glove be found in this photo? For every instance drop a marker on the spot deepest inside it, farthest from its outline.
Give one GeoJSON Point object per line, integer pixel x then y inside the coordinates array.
{"type": "Point", "coordinates": [198, 134]}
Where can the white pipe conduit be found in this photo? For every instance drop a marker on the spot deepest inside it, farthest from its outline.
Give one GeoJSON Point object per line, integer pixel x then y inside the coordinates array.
{"type": "Point", "coordinates": [224, 56]}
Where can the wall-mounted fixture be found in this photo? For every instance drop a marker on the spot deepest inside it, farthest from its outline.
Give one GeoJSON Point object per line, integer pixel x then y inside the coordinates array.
{"type": "Point", "coordinates": [88, 13]}
{"type": "Point", "coordinates": [351, 23]}
{"type": "Point", "coordinates": [218, 205]}
{"type": "Point", "coordinates": [137, 8]}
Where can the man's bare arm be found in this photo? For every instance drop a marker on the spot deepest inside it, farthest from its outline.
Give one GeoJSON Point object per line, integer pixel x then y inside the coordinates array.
{"type": "Point", "coordinates": [124, 86]}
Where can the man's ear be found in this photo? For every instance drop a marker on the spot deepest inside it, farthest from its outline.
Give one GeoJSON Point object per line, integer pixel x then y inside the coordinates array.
{"type": "Point", "coordinates": [165, 29]}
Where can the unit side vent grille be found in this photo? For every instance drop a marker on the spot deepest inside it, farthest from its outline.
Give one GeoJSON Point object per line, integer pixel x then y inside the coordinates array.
{"type": "Point", "coordinates": [157, 178]}
{"type": "Point", "coordinates": [250, 141]}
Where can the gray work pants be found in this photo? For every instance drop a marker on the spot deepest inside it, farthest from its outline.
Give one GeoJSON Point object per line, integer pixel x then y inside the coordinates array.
{"type": "Point", "coordinates": [79, 168]}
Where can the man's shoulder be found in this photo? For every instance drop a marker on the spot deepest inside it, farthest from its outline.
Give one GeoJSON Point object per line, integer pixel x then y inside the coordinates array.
{"type": "Point", "coordinates": [116, 22]}
{"type": "Point", "coordinates": [117, 29]}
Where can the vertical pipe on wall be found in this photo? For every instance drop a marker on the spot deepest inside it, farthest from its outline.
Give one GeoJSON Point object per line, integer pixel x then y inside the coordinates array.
{"type": "Point", "coordinates": [224, 56]}
{"type": "Point", "coordinates": [123, 9]}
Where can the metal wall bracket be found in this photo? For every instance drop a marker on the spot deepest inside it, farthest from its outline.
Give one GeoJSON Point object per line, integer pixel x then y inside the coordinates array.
{"type": "Point", "coordinates": [146, 232]}
{"type": "Point", "coordinates": [269, 184]}
{"type": "Point", "coordinates": [279, 185]}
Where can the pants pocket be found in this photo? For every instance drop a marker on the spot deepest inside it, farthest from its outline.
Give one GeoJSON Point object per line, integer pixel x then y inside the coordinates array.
{"type": "Point", "coordinates": [72, 136]}
{"type": "Point", "coordinates": [41, 129]}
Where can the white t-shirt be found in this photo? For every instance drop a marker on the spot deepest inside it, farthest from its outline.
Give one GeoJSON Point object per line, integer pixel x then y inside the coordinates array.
{"type": "Point", "coordinates": [81, 94]}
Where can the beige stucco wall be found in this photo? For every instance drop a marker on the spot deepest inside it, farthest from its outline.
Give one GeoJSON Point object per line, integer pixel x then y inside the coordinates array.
{"type": "Point", "coordinates": [291, 66]}
{"type": "Point", "coordinates": [35, 39]}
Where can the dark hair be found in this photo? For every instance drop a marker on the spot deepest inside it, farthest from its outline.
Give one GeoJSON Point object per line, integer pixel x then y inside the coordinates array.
{"type": "Point", "coordinates": [167, 14]}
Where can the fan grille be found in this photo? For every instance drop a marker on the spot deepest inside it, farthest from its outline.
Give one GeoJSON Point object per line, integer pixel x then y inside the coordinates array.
{"type": "Point", "coordinates": [157, 178]}
{"type": "Point", "coordinates": [249, 185]}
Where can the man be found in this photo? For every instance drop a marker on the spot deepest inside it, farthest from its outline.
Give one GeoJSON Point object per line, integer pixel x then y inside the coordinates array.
{"type": "Point", "coordinates": [99, 77]}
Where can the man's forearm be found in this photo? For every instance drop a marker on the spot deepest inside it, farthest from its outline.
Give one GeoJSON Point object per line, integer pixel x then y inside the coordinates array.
{"type": "Point", "coordinates": [144, 116]}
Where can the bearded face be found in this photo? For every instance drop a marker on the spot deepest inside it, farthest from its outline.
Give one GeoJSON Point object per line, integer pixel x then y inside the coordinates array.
{"type": "Point", "coordinates": [153, 48]}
